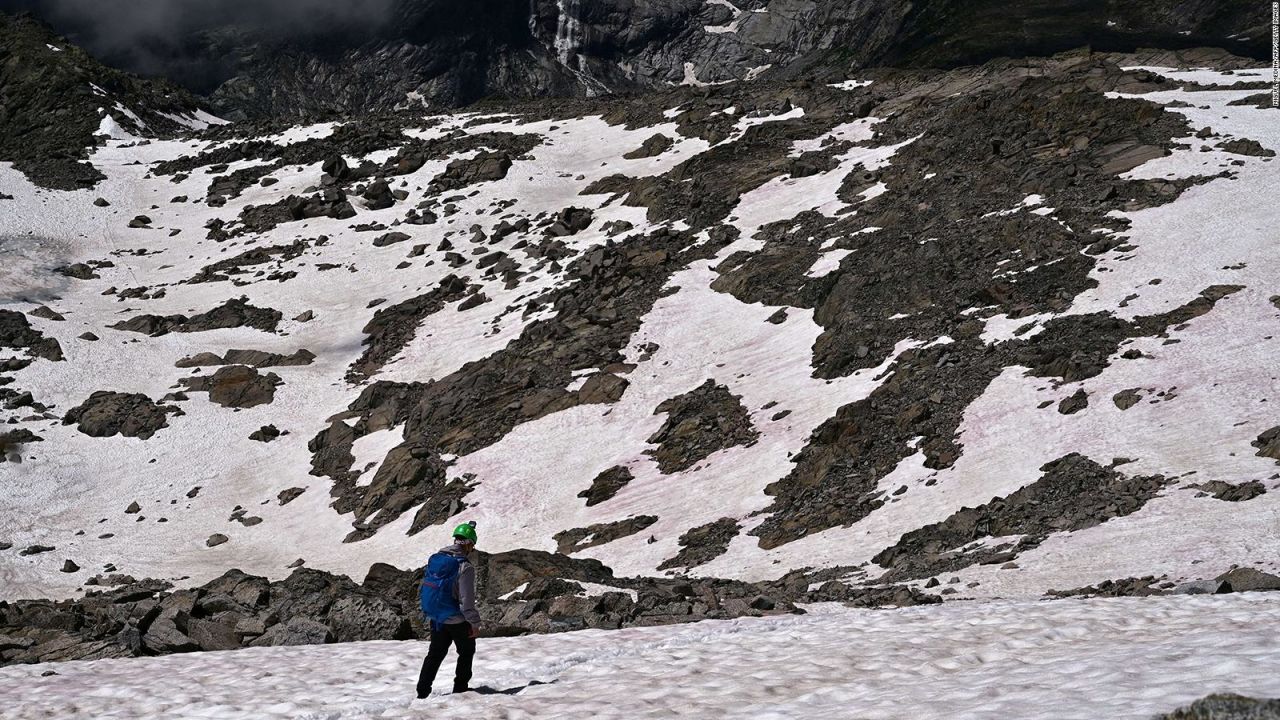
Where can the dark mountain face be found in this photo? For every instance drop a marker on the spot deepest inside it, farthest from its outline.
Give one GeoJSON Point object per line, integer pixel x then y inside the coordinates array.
{"type": "Point", "coordinates": [314, 58]}
{"type": "Point", "coordinates": [950, 32]}
{"type": "Point", "coordinates": [55, 97]}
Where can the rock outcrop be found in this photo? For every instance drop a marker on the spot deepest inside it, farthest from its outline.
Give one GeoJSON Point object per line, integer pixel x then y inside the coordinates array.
{"type": "Point", "coordinates": [108, 413]}
{"type": "Point", "coordinates": [519, 592]}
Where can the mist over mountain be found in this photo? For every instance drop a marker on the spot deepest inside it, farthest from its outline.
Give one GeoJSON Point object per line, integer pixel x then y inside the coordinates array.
{"type": "Point", "coordinates": [199, 43]}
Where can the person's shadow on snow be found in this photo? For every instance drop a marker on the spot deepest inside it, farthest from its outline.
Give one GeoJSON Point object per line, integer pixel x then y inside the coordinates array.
{"type": "Point", "coordinates": [486, 690]}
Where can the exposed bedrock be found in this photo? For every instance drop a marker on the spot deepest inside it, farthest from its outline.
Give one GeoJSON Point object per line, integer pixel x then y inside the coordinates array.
{"type": "Point", "coordinates": [611, 289]}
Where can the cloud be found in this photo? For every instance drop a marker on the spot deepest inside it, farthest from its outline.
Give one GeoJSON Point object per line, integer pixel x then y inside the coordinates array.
{"type": "Point", "coordinates": [187, 39]}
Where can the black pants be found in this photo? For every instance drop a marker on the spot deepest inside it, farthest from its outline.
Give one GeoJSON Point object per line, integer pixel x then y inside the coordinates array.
{"type": "Point", "coordinates": [441, 635]}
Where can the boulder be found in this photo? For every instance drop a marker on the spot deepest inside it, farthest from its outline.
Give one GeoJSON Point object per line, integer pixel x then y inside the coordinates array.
{"type": "Point", "coordinates": [44, 312]}
{"type": "Point", "coordinates": [237, 386]}
{"type": "Point", "coordinates": [309, 593]}
{"type": "Point", "coordinates": [108, 413]}
{"type": "Point", "coordinates": [367, 618]}
{"type": "Point", "coordinates": [377, 195]}
{"type": "Point", "coordinates": [265, 434]}
{"type": "Point", "coordinates": [1248, 580]}
{"type": "Point", "coordinates": [1202, 587]}
{"type": "Point", "coordinates": [298, 631]}
{"type": "Point", "coordinates": [203, 359]}
{"type": "Point", "coordinates": [607, 484]}
{"type": "Point", "coordinates": [1074, 404]}
{"type": "Point", "coordinates": [77, 270]}
{"type": "Point", "coordinates": [1226, 706]}
{"type": "Point", "coordinates": [390, 238]}
{"type": "Point", "coordinates": [212, 635]}
{"type": "Point", "coordinates": [602, 388]}
{"type": "Point", "coordinates": [16, 332]}
{"type": "Point", "coordinates": [164, 637]}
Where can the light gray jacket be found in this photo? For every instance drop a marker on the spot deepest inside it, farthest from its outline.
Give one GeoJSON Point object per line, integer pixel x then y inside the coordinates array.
{"type": "Point", "coordinates": [465, 589]}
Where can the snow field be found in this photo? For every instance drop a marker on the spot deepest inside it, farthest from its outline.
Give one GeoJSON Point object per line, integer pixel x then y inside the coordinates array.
{"type": "Point", "coordinates": [1055, 660]}
{"type": "Point", "coordinates": [1223, 394]}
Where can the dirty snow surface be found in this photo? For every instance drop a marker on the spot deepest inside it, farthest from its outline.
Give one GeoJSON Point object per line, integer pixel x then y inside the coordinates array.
{"type": "Point", "coordinates": [1204, 391]}
{"type": "Point", "coordinates": [1048, 660]}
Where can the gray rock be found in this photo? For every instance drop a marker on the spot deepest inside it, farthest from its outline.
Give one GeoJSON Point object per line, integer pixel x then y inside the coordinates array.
{"type": "Point", "coordinates": [69, 648]}
{"type": "Point", "coordinates": [10, 642]}
{"type": "Point", "coordinates": [16, 332]}
{"type": "Point", "coordinates": [250, 627]}
{"type": "Point", "coordinates": [1268, 444]}
{"type": "Point", "coordinates": [703, 544]}
{"type": "Point", "coordinates": [378, 195]}
{"type": "Point", "coordinates": [602, 388]}
{"type": "Point", "coordinates": [231, 314]}
{"type": "Point", "coordinates": [1229, 492]}
{"type": "Point", "coordinates": [579, 539]}
{"type": "Point", "coordinates": [45, 313]}
{"type": "Point", "coordinates": [1126, 399]}
{"type": "Point", "coordinates": [1074, 404]}
{"type": "Point", "coordinates": [237, 386]}
{"type": "Point", "coordinates": [1227, 706]}
{"type": "Point", "coordinates": [247, 591]}
{"type": "Point", "coordinates": [79, 271]}
{"type": "Point", "coordinates": [216, 539]}
{"type": "Point", "coordinates": [179, 605]}
{"type": "Point", "coordinates": [261, 359]}
{"type": "Point", "coordinates": [199, 360]}
{"type": "Point", "coordinates": [390, 238]}
{"type": "Point", "coordinates": [699, 423]}
{"type": "Point", "coordinates": [164, 637]}
{"type": "Point", "coordinates": [107, 413]}
{"type": "Point", "coordinates": [359, 618]}
{"type": "Point", "coordinates": [653, 146]}
{"type": "Point", "coordinates": [298, 631]}
{"type": "Point", "coordinates": [1247, 579]}
{"type": "Point", "coordinates": [1201, 587]}
{"type": "Point", "coordinates": [211, 635]}
{"type": "Point", "coordinates": [214, 603]}
{"type": "Point", "coordinates": [265, 434]}
{"type": "Point", "coordinates": [607, 484]}
{"type": "Point", "coordinates": [289, 495]}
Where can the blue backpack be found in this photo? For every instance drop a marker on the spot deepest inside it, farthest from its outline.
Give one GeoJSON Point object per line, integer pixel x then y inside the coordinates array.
{"type": "Point", "coordinates": [438, 582]}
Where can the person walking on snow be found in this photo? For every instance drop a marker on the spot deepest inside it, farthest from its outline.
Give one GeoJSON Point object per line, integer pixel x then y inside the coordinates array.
{"type": "Point", "coordinates": [449, 603]}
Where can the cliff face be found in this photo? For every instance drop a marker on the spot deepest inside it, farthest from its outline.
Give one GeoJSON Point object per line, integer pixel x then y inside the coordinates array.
{"type": "Point", "coordinates": [448, 54]}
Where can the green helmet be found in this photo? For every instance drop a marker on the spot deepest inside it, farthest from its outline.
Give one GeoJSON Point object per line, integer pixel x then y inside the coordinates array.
{"type": "Point", "coordinates": [466, 531]}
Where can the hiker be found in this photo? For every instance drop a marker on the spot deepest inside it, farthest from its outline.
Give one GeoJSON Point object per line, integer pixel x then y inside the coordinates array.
{"type": "Point", "coordinates": [449, 604]}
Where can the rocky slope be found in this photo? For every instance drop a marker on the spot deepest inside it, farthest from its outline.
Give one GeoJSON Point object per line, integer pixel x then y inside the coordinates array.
{"type": "Point", "coordinates": [896, 336]}
{"type": "Point", "coordinates": [55, 100]}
